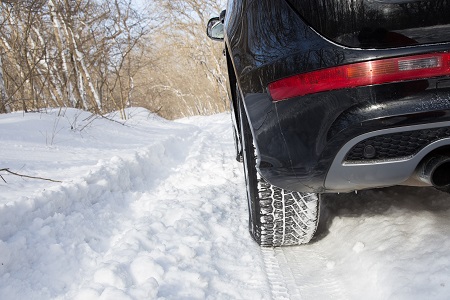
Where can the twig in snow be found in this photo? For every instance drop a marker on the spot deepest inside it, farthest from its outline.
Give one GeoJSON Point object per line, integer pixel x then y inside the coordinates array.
{"type": "Point", "coordinates": [25, 176]}
{"type": "Point", "coordinates": [118, 122]}
{"type": "Point", "coordinates": [93, 117]}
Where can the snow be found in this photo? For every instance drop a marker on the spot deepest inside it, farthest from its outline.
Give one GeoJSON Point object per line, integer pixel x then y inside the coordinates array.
{"type": "Point", "coordinates": [144, 211]}
{"type": "Point", "coordinates": [154, 209]}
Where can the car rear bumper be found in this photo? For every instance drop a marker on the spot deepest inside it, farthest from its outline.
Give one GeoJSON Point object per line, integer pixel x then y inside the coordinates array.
{"type": "Point", "coordinates": [345, 175]}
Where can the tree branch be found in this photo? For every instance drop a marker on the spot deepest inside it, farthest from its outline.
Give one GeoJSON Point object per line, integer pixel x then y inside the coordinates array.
{"type": "Point", "coordinates": [25, 176]}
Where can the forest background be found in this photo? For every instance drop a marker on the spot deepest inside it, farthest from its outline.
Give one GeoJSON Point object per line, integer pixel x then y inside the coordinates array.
{"type": "Point", "coordinates": [103, 56]}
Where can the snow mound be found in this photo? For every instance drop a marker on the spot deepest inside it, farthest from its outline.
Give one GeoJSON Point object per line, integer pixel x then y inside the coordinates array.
{"type": "Point", "coordinates": [146, 209]}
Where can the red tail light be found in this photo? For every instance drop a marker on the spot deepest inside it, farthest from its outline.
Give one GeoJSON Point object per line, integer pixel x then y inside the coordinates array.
{"type": "Point", "coordinates": [362, 74]}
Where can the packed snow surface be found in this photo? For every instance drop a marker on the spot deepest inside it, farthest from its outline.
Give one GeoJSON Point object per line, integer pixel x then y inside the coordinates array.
{"type": "Point", "coordinates": [153, 209]}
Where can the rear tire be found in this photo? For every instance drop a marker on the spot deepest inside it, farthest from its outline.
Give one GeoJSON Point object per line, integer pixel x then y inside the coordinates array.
{"type": "Point", "coordinates": [277, 217]}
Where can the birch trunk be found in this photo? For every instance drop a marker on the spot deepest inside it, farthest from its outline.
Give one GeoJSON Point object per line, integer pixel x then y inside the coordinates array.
{"type": "Point", "coordinates": [4, 106]}
{"type": "Point", "coordinates": [62, 49]}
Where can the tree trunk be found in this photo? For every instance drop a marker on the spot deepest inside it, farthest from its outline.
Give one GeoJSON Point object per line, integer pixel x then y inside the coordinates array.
{"type": "Point", "coordinates": [4, 106]}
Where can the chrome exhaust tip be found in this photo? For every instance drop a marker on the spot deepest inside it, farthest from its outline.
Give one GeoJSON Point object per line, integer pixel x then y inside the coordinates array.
{"type": "Point", "coordinates": [435, 171]}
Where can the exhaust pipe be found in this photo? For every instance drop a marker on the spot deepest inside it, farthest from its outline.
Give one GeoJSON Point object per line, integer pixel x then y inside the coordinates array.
{"type": "Point", "coordinates": [435, 171]}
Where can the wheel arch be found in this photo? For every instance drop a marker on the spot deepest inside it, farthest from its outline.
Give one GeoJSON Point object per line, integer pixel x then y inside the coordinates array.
{"type": "Point", "coordinates": [232, 90]}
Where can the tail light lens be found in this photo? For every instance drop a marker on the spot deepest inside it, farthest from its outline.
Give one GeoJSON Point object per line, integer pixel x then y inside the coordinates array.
{"type": "Point", "coordinates": [362, 74]}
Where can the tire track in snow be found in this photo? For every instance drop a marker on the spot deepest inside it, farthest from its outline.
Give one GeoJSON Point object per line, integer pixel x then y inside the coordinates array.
{"type": "Point", "coordinates": [314, 274]}
{"type": "Point", "coordinates": [280, 278]}
{"type": "Point", "coordinates": [184, 228]}
{"type": "Point", "coordinates": [298, 273]}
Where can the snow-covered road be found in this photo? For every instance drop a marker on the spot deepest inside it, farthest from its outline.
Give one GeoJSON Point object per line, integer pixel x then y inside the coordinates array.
{"type": "Point", "coordinates": [381, 244]}
{"type": "Point", "coordinates": [156, 210]}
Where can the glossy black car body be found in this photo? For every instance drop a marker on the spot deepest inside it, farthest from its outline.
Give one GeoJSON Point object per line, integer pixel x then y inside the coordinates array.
{"type": "Point", "coordinates": [350, 138]}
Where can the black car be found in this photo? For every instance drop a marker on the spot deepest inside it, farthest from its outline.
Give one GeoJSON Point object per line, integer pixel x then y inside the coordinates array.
{"type": "Point", "coordinates": [333, 96]}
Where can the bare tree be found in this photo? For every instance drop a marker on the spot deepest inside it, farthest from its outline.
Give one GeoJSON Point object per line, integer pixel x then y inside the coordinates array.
{"type": "Point", "coordinates": [68, 53]}
{"type": "Point", "coordinates": [101, 56]}
{"type": "Point", "coordinates": [188, 68]}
